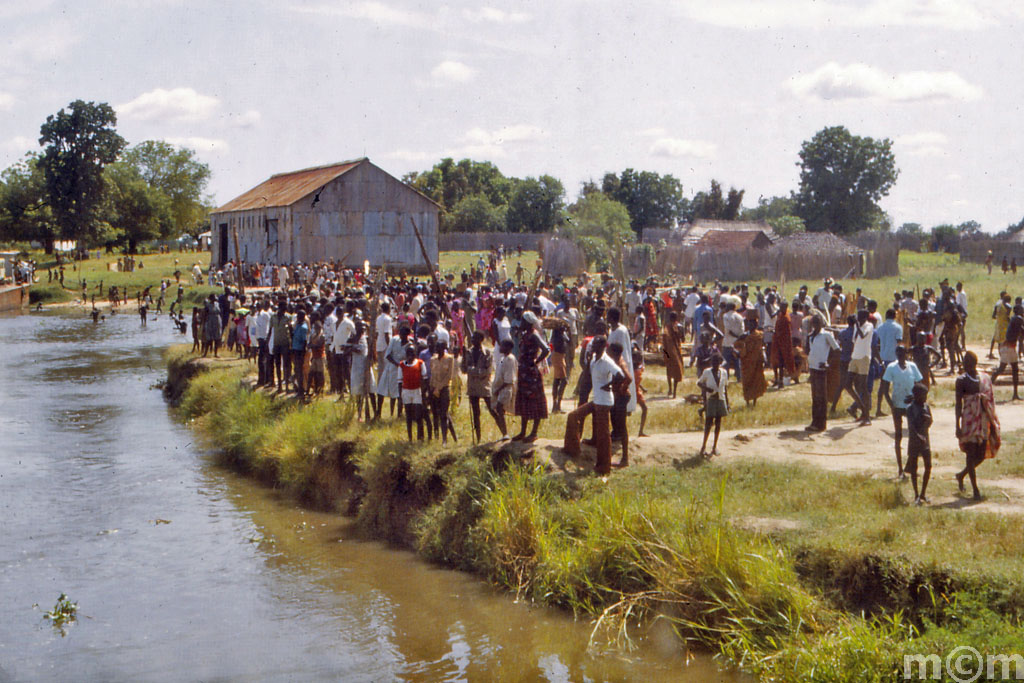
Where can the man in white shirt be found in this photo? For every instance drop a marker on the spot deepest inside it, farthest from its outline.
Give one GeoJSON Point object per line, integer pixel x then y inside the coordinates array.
{"type": "Point", "coordinates": [329, 326]}
{"type": "Point", "coordinates": [690, 308]}
{"type": "Point", "coordinates": [503, 325]}
{"type": "Point", "coordinates": [264, 370]}
{"type": "Point", "coordinates": [503, 386]}
{"type": "Point", "coordinates": [603, 372]}
{"type": "Point", "coordinates": [382, 326]}
{"type": "Point", "coordinates": [618, 334]}
{"type": "Point", "coordinates": [860, 366]}
{"type": "Point", "coordinates": [344, 331]}
{"type": "Point", "coordinates": [732, 329]}
{"type": "Point", "coordinates": [819, 343]}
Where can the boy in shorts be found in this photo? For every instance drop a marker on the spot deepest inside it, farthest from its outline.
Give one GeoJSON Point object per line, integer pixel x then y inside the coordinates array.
{"type": "Point", "coordinates": [919, 419]}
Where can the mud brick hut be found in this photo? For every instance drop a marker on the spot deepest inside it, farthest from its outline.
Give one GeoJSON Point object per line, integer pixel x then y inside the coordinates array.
{"type": "Point", "coordinates": [350, 212]}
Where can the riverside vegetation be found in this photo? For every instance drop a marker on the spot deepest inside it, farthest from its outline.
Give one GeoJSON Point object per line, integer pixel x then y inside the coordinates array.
{"type": "Point", "coordinates": [852, 580]}
{"type": "Point", "coordinates": [156, 267]}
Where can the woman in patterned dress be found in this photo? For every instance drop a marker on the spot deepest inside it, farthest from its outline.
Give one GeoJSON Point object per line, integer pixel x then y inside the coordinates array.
{"type": "Point", "coordinates": [531, 403]}
{"type": "Point", "coordinates": [977, 427]}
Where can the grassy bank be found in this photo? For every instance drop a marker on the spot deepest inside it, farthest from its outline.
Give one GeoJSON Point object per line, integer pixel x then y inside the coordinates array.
{"type": "Point", "coordinates": [789, 572]}
{"type": "Point", "coordinates": [155, 267]}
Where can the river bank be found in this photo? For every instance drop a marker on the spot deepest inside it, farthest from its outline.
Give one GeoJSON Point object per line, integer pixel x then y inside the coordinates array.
{"type": "Point", "coordinates": [184, 570]}
{"type": "Point", "coordinates": [785, 570]}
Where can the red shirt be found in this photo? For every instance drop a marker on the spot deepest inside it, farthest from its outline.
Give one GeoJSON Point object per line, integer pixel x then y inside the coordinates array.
{"type": "Point", "coordinates": [412, 373]}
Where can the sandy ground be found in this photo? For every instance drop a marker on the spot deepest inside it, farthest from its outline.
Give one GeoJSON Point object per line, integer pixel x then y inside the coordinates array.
{"type": "Point", "coordinates": [844, 447]}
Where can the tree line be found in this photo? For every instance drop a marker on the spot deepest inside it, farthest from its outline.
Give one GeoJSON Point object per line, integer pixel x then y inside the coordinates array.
{"type": "Point", "coordinates": [842, 179]}
{"type": "Point", "coordinates": [87, 184]}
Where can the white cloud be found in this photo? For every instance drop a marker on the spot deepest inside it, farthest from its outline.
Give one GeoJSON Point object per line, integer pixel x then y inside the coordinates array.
{"type": "Point", "coordinates": [248, 119]}
{"type": "Point", "coordinates": [815, 14]}
{"type": "Point", "coordinates": [20, 144]}
{"type": "Point", "coordinates": [833, 81]}
{"type": "Point", "coordinates": [375, 12]}
{"type": "Point", "coordinates": [408, 155]}
{"type": "Point", "coordinates": [655, 132]}
{"type": "Point", "coordinates": [450, 71]}
{"type": "Point", "coordinates": [676, 148]}
{"type": "Point", "coordinates": [482, 143]}
{"type": "Point", "coordinates": [44, 43]}
{"type": "Point", "coordinates": [200, 145]}
{"type": "Point", "coordinates": [6, 101]}
{"type": "Point", "coordinates": [178, 104]}
{"type": "Point", "coordinates": [496, 16]}
{"type": "Point", "coordinates": [923, 144]}
{"type": "Point", "coordinates": [17, 8]}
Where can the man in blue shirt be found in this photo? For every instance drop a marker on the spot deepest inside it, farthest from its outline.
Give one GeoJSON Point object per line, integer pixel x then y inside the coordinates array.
{"type": "Point", "coordinates": [902, 375]}
{"type": "Point", "coordinates": [300, 336]}
{"type": "Point", "coordinates": [845, 339]}
{"type": "Point", "coordinates": [889, 334]}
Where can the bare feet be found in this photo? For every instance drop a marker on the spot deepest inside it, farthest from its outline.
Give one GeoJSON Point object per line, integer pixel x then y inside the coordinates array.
{"type": "Point", "coordinates": [960, 481]}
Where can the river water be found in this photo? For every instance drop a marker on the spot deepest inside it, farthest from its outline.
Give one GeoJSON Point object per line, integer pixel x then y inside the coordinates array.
{"type": "Point", "coordinates": [183, 571]}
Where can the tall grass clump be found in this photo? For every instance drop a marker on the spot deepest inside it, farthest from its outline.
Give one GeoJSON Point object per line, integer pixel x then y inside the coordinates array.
{"type": "Point", "coordinates": [289, 446]}
{"type": "Point", "coordinates": [443, 530]}
{"type": "Point", "coordinates": [210, 390]}
{"type": "Point", "coordinates": [515, 528]}
{"type": "Point", "coordinates": [400, 481]}
{"type": "Point", "coordinates": [239, 426]}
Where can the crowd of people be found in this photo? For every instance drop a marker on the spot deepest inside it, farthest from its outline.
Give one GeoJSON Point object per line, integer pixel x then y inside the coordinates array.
{"type": "Point", "coordinates": [512, 345]}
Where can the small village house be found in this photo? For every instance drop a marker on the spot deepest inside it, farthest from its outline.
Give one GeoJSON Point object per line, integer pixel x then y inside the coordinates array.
{"type": "Point", "coordinates": [350, 212]}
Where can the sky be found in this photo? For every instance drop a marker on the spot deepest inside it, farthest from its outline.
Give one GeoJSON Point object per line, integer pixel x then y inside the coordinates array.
{"type": "Point", "coordinates": [701, 89]}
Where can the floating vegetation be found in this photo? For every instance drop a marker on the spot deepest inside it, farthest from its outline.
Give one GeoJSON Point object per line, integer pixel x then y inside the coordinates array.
{"type": "Point", "coordinates": [64, 613]}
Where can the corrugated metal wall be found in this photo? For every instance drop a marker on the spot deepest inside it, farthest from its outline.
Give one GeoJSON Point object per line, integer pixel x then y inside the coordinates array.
{"type": "Point", "coordinates": [365, 214]}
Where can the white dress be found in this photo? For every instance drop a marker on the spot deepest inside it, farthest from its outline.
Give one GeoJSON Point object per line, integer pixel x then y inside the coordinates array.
{"type": "Point", "coordinates": [388, 384]}
{"type": "Point", "coordinates": [358, 375]}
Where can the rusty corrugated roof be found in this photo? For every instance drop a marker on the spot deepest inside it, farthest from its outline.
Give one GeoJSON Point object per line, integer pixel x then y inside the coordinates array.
{"type": "Point", "coordinates": [284, 189]}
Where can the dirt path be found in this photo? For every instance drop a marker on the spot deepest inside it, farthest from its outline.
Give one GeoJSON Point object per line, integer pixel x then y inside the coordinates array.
{"type": "Point", "coordinates": [844, 447]}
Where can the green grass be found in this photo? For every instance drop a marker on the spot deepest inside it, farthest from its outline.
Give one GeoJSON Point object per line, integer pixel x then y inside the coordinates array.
{"type": "Point", "coordinates": [787, 571]}
{"type": "Point", "coordinates": [918, 271]}
{"type": "Point", "coordinates": [154, 268]}
{"type": "Point", "coordinates": [457, 261]}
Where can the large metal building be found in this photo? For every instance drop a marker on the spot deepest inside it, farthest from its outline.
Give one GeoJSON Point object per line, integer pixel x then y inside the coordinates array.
{"type": "Point", "coordinates": [350, 212]}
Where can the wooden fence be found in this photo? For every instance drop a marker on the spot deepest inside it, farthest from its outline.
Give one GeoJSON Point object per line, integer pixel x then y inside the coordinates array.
{"type": "Point", "coordinates": [483, 241]}
{"type": "Point", "coordinates": [975, 251]}
{"type": "Point", "coordinates": [881, 253]}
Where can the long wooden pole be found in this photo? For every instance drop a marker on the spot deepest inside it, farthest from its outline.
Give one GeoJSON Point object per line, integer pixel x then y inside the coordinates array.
{"type": "Point", "coordinates": [436, 279]}
{"type": "Point", "coordinates": [371, 337]}
{"type": "Point", "coordinates": [238, 262]}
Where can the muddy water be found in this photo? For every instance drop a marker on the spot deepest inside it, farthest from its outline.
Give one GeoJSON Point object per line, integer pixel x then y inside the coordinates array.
{"type": "Point", "coordinates": [183, 571]}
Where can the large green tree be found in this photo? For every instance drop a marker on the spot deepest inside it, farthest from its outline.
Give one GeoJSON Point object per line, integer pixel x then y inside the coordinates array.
{"type": "Point", "coordinates": [450, 182]}
{"type": "Point", "coordinates": [600, 226]}
{"type": "Point", "coordinates": [652, 200]}
{"type": "Point", "coordinates": [476, 213]}
{"type": "Point", "coordinates": [24, 212]}
{"type": "Point", "coordinates": [778, 212]}
{"type": "Point", "coordinates": [175, 172]}
{"type": "Point", "coordinates": [536, 205]}
{"type": "Point", "coordinates": [842, 178]}
{"type": "Point", "coordinates": [79, 141]}
{"type": "Point", "coordinates": [136, 210]}
{"type": "Point", "coordinates": [712, 204]}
